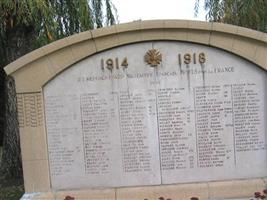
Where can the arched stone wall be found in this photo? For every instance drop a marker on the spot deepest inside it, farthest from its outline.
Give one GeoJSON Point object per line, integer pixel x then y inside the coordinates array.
{"type": "Point", "coordinates": [34, 70]}
{"type": "Point", "coordinates": [44, 63]}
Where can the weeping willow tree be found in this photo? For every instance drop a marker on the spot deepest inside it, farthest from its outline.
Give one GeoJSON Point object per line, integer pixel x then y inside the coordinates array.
{"type": "Point", "coordinates": [26, 25]}
{"type": "Point", "coordinates": [42, 21]}
{"type": "Point", "coordinates": [247, 13]}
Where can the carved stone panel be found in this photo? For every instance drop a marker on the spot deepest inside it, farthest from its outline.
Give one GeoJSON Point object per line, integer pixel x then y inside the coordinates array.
{"type": "Point", "coordinates": [30, 108]}
{"type": "Point", "coordinates": [155, 113]}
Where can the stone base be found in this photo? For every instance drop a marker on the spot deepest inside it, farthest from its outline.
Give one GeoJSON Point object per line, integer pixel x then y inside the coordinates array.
{"type": "Point", "coordinates": [238, 189]}
{"type": "Point", "coordinates": [47, 196]}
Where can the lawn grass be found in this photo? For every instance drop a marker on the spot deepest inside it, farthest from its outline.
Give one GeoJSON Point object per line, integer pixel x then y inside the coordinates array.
{"type": "Point", "coordinates": [11, 193]}
{"type": "Point", "coordinates": [10, 190]}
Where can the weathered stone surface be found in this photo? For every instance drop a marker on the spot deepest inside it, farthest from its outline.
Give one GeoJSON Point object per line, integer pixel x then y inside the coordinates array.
{"type": "Point", "coordinates": [156, 113]}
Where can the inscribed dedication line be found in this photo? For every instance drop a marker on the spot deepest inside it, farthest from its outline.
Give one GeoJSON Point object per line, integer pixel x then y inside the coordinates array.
{"type": "Point", "coordinates": [156, 113]}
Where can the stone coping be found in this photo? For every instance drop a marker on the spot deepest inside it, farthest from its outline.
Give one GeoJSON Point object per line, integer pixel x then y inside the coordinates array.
{"type": "Point", "coordinates": [163, 30]}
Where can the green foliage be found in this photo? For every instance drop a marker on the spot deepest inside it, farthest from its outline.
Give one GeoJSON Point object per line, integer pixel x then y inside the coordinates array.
{"type": "Point", "coordinates": [11, 193]}
{"type": "Point", "coordinates": [26, 14]}
{"type": "Point", "coordinates": [52, 19]}
{"type": "Point", "coordinates": [247, 13]}
{"type": "Point", "coordinates": [0, 154]}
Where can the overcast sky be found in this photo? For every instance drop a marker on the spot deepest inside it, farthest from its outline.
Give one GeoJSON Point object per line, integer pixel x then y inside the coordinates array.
{"type": "Point", "coordinates": [130, 10]}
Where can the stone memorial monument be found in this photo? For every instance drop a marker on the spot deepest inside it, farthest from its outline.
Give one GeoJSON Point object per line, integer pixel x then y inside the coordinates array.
{"type": "Point", "coordinates": [144, 110]}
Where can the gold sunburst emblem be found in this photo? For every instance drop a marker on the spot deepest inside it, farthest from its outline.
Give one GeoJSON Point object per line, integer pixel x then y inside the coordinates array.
{"type": "Point", "coordinates": [153, 57]}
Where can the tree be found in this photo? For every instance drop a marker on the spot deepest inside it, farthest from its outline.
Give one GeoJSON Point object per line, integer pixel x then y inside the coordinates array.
{"type": "Point", "coordinates": [247, 13]}
{"type": "Point", "coordinates": [24, 26]}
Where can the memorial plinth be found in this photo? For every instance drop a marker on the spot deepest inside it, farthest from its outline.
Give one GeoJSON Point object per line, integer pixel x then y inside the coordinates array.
{"type": "Point", "coordinates": [147, 119]}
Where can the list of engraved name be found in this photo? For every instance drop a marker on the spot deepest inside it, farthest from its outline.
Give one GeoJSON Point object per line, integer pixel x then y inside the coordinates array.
{"type": "Point", "coordinates": [189, 135]}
